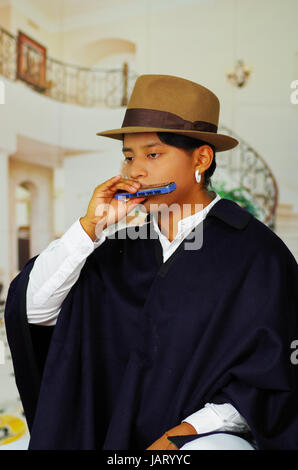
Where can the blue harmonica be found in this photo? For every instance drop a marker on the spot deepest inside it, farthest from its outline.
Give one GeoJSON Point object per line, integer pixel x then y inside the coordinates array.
{"type": "Point", "coordinates": [150, 190]}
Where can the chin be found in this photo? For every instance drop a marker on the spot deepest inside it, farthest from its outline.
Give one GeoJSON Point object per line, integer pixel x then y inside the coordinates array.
{"type": "Point", "coordinates": [152, 204]}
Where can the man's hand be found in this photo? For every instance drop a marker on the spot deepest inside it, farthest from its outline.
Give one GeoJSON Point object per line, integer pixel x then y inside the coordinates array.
{"type": "Point", "coordinates": [104, 210]}
{"type": "Point", "coordinates": [163, 442]}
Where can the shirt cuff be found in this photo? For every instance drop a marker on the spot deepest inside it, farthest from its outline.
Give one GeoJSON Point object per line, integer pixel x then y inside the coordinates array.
{"type": "Point", "coordinates": [98, 241]}
{"type": "Point", "coordinates": [213, 417]}
{"type": "Point", "coordinates": [76, 239]}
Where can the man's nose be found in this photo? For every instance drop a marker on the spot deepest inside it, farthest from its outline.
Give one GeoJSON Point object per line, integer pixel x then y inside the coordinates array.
{"type": "Point", "coordinates": [138, 169]}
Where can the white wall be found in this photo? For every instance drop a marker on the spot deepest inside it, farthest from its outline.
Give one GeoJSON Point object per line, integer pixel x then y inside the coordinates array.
{"type": "Point", "coordinates": [33, 115]}
{"type": "Point", "coordinates": [82, 174]}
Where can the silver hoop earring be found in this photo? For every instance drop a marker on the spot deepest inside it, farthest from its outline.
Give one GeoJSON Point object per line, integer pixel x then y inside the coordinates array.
{"type": "Point", "coordinates": [197, 176]}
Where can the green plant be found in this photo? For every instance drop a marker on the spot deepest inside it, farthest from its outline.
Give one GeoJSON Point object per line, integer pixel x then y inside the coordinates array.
{"type": "Point", "coordinates": [239, 195]}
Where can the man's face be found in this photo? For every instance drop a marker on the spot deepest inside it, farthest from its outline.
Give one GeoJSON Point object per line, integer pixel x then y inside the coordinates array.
{"type": "Point", "coordinates": [150, 161]}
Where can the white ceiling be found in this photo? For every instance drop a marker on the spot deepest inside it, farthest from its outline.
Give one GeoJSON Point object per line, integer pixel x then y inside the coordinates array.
{"type": "Point", "coordinates": [62, 9]}
{"type": "Point", "coordinates": [63, 15]}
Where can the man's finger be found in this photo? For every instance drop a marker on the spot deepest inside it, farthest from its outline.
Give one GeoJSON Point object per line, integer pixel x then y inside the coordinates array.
{"type": "Point", "coordinates": [110, 182]}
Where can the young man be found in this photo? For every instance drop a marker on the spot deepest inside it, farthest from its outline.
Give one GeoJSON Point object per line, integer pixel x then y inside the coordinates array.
{"type": "Point", "coordinates": [174, 335]}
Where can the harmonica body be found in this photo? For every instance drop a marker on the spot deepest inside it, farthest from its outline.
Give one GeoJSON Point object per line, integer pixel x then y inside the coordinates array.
{"type": "Point", "coordinates": [148, 190]}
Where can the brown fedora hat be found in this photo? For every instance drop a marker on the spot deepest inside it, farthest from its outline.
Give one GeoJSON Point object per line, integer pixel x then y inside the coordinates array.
{"type": "Point", "coordinates": [165, 103]}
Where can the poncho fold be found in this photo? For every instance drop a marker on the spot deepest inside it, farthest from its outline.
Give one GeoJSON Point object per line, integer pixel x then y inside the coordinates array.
{"type": "Point", "coordinates": [140, 344]}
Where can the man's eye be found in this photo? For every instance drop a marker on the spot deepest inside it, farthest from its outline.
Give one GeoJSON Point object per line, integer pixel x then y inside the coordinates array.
{"type": "Point", "coordinates": [128, 159]}
{"type": "Point", "coordinates": [154, 154]}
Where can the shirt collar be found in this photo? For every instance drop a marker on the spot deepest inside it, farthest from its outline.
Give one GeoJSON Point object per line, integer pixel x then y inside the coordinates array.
{"type": "Point", "coordinates": [188, 222]}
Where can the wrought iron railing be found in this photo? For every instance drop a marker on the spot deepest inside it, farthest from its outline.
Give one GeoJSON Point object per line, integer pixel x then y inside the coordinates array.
{"type": "Point", "coordinates": [8, 54]}
{"type": "Point", "coordinates": [242, 167]}
{"type": "Point", "coordinates": [70, 83]}
{"type": "Point", "coordinates": [91, 87]}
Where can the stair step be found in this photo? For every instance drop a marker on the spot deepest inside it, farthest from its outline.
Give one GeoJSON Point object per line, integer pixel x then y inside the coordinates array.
{"type": "Point", "coordinates": [290, 215]}
{"type": "Point", "coordinates": [289, 221]}
{"type": "Point", "coordinates": [284, 209]}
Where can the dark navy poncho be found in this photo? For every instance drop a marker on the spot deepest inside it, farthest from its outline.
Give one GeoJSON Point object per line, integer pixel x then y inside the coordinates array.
{"type": "Point", "coordinates": [140, 344]}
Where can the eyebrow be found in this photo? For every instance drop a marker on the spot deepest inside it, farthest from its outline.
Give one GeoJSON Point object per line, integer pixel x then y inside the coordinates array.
{"type": "Point", "coordinates": [152, 144]}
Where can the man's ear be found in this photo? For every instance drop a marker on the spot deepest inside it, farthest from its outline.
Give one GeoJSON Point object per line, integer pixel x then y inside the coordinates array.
{"type": "Point", "coordinates": [203, 157]}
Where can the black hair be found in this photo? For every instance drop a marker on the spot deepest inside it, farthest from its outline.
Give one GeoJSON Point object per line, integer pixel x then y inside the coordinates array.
{"type": "Point", "coordinates": [188, 144]}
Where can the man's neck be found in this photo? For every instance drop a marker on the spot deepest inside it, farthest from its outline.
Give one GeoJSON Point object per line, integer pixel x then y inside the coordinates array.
{"type": "Point", "coordinates": [168, 224]}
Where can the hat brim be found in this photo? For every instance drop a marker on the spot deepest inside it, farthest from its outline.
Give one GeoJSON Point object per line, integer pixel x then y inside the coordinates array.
{"type": "Point", "coordinates": [221, 142]}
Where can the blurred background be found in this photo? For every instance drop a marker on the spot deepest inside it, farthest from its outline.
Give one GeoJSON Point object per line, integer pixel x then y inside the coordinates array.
{"type": "Point", "coordinates": [67, 69]}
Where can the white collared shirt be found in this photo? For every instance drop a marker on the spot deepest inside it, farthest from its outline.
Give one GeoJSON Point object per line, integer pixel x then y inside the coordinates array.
{"type": "Point", "coordinates": [58, 267]}
{"type": "Point", "coordinates": [185, 226]}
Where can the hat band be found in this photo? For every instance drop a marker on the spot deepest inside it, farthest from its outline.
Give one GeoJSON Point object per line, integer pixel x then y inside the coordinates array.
{"type": "Point", "coordinates": [142, 117]}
